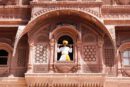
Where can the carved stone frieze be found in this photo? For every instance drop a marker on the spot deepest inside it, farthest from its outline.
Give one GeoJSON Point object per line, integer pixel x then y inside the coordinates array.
{"type": "Point", "coordinates": [41, 8]}
{"type": "Point", "coordinates": [13, 14]}
{"type": "Point", "coordinates": [65, 67]}
{"type": "Point", "coordinates": [116, 12]}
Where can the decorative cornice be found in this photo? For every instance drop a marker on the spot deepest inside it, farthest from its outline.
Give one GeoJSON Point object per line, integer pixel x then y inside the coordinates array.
{"type": "Point", "coordinates": [14, 6]}
{"type": "Point", "coordinates": [45, 10]}
{"type": "Point", "coordinates": [116, 9]}
{"type": "Point", "coordinates": [116, 14]}
{"type": "Point", "coordinates": [65, 3]}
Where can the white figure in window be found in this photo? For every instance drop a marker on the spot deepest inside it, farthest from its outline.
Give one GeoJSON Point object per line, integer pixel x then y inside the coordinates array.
{"type": "Point", "coordinates": [65, 50]}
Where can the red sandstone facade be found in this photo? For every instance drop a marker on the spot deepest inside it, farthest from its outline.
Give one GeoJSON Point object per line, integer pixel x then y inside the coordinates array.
{"type": "Point", "coordinates": [31, 31]}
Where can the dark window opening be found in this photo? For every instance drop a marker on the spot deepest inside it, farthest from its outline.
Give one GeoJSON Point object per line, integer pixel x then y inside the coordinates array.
{"type": "Point", "coordinates": [3, 57]}
{"type": "Point", "coordinates": [70, 44]}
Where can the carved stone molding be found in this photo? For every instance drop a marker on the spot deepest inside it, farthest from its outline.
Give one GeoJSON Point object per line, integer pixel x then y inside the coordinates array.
{"type": "Point", "coordinates": [44, 7]}
{"type": "Point", "coordinates": [116, 12]}
{"type": "Point", "coordinates": [14, 14]}
{"type": "Point", "coordinates": [65, 67]}
{"type": "Point", "coordinates": [65, 80]}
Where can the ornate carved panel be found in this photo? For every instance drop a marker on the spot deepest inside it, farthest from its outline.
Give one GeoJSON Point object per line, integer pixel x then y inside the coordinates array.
{"type": "Point", "coordinates": [41, 53]}
{"type": "Point", "coordinates": [87, 6]}
{"type": "Point", "coordinates": [89, 53]}
{"type": "Point", "coordinates": [41, 68]}
{"type": "Point", "coordinates": [65, 67]}
{"type": "Point", "coordinates": [90, 48]}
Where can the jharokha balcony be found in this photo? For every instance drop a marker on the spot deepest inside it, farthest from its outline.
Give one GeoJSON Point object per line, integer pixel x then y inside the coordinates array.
{"type": "Point", "coordinates": [64, 43]}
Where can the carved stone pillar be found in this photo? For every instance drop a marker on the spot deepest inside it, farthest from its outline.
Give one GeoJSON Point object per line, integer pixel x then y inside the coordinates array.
{"type": "Point", "coordinates": [100, 44]}
{"type": "Point", "coordinates": [35, 0]}
{"type": "Point", "coordinates": [31, 57]}
{"type": "Point", "coordinates": [119, 64]}
{"type": "Point", "coordinates": [51, 62]}
{"type": "Point", "coordinates": [20, 2]}
{"type": "Point", "coordinates": [79, 59]}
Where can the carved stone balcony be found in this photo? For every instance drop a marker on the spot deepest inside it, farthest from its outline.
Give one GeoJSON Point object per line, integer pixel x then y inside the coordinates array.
{"type": "Point", "coordinates": [13, 14]}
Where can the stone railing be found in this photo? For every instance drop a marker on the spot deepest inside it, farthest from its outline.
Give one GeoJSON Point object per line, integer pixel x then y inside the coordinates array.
{"type": "Point", "coordinates": [65, 80]}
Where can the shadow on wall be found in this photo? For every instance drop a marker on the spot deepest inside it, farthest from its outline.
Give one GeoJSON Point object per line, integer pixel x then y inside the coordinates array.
{"type": "Point", "coordinates": [22, 56]}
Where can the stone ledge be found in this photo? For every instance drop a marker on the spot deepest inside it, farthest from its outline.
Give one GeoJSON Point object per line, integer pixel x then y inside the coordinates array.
{"type": "Point", "coordinates": [67, 80]}
{"type": "Point", "coordinates": [116, 22]}
{"type": "Point", "coordinates": [14, 6]}
{"type": "Point", "coordinates": [115, 9]}
{"type": "Point", "coordinates": [13, 21]}
{"type": "Point", "coordinates": [80, 3]}
{"type": "Point", "coordinates": [12, 82]}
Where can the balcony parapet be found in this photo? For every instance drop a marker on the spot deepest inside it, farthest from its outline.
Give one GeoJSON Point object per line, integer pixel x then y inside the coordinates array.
{"type": "Point", "coordinates": [14, 14]}
{"type": "Point", "coordinates": [68, 80]}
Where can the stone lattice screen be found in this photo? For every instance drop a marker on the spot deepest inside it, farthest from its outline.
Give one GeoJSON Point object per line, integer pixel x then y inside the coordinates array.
{"type": "Point", "coordinates": [89, 53]}
{"type": "Point", "coordinates": [108, 52]}
{"type": "Point", "coordinates": [90, 48]}
{"type": "Point", "coordinates": [41, 54]}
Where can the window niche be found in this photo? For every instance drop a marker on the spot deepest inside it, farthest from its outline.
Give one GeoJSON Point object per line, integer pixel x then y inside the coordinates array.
{"type": "Point", "coordinates": [124, 54]}
{"type": "Point", "coordinates": [3, 57]}
{"type": "Point", "coordinates": [65, 51]}
{"type": "Point", "coordinates": [126, 57]}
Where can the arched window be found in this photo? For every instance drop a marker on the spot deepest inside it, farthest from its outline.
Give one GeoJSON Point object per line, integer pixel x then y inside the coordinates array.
{"type": "Point", "coordinates": [126, 57]}
{"type": "Point", "coordinates": [3, 57]}
{"type": "Point", "coordinates": [70, 45]}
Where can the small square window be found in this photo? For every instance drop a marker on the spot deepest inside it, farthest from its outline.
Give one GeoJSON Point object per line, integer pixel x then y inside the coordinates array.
{"type": "Point", "coordinates": [3, 57]}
